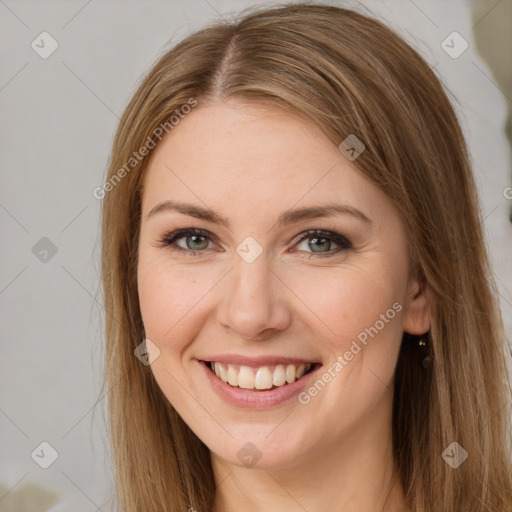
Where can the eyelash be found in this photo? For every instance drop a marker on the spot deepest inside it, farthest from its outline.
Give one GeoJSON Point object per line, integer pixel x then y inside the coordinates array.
{"type": "Point", "coordinates": [169, 240]}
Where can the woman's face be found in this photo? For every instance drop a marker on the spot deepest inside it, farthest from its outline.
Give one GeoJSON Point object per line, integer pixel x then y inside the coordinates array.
{"type": "Point", "coordinates": [254, 291]}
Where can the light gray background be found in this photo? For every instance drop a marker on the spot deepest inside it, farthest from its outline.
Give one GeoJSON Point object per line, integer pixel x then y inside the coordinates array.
{"type": "Point", "coordinates": [58, 117]}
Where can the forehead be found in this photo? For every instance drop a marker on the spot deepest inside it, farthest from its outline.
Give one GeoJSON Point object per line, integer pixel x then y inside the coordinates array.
{"type": "Point", "coordinates": [250, 159]}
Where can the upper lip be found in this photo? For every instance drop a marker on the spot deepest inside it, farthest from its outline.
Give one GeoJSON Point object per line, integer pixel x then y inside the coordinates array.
{"type": "Point", "coordinates": [241, 360]}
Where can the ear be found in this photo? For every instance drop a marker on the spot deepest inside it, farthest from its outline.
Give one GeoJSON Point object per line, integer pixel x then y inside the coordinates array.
{"type": "Point", "coordinates": [418, 307]}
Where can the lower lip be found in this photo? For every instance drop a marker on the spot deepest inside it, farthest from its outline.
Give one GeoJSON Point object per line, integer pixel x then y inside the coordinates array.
{"type": "Point", "coordinates": [250, 399]}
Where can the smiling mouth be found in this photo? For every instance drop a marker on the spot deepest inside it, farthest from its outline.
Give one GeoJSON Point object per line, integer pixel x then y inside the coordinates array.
{"type": "Point", "coordinates": [263, 378]}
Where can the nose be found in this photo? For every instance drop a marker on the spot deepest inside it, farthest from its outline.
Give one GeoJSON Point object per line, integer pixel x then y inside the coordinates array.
{"type": "Point", "coordinates": [255, 301]}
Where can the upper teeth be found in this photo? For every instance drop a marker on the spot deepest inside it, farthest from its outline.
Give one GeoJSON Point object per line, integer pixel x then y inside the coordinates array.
{"type": "Point", "coordinates": [263, 377]}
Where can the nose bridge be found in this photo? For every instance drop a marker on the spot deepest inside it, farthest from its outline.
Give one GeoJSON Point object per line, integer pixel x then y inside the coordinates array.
{"type": "Point", "coordinates": [252, 279]}
{"type": "Point", "coordinates": [253, 302]}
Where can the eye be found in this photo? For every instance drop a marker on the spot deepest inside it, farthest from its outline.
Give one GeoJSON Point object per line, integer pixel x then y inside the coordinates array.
{"type": "Point", "coordinates": [318, 239]}
{"type": "Point", "coordinates": [195, 242]}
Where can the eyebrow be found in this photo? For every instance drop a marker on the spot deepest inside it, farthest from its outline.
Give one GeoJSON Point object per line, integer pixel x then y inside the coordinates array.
{"type": "Point", "coordinates": [286, 218]}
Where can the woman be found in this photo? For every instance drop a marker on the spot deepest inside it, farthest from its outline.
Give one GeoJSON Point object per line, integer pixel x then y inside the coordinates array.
{"type": "Point", "coordinates": [250, 367]}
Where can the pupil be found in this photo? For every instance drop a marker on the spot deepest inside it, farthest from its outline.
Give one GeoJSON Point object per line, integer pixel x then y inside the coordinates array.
{"type": "Point", "coordinates": [315, 245]}
{"type": "Point", "coordinates": [193, 237]}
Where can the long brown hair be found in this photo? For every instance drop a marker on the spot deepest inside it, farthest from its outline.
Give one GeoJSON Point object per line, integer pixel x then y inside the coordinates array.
{"type": "Point", "coordinates": [349, 74]}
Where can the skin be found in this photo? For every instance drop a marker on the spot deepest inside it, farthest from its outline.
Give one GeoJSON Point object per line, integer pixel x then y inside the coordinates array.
{"type": "Point", "coordinates": [249, 164]}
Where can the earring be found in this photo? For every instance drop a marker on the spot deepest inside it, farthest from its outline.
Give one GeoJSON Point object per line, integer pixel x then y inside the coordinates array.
{"type": "Point", "coordinates": [425, 357]}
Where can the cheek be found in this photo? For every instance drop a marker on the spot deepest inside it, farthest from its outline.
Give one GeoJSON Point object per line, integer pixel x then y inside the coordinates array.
{"type": "Point", "coordinates": [169, 296]}
{"type": "Point", "coordinates": [345, 301]}
{"type": "Point", "coordinates": [357, 314]}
